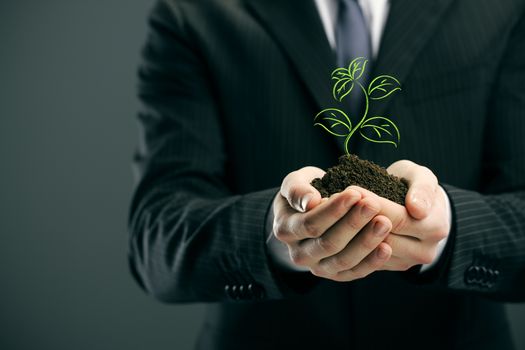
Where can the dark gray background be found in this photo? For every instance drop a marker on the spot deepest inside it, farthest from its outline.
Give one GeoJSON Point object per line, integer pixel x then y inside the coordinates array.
{"type": "Point", "coordinates": [67, 132]}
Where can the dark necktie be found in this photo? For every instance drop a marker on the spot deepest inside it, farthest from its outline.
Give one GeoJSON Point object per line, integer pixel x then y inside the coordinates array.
{"type": "Point", "coordinates": [352, 41]}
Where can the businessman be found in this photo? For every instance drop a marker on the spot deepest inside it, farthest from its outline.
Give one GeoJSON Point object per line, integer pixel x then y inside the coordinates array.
{"type": "Point", "coordinates": [224, 213]}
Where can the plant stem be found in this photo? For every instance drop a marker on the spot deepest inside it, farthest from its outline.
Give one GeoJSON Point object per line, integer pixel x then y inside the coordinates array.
{"type": "Point", "coordinates": [363, 118]}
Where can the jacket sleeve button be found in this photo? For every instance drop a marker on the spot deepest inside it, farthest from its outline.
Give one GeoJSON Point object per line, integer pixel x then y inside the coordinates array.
{"type": "Point", "coordinates": [242, 291]}
{"type": "Point", "coordinates": [235, 292]}
{"type": "Point", "coordinates": [469, 275]}
{"type": "Point", "coordinates": [477, 275]}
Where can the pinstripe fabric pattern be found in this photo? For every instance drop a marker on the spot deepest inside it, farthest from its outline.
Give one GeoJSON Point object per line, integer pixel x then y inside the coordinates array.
{"type": "Point", "coordinates": [492, 225]}
{"type": "Point", "coordinates": [182, 161]}
{"type": "Point", "coordinates": [229, 90]}
{"type": "Point", "coordinates": [490, 229]}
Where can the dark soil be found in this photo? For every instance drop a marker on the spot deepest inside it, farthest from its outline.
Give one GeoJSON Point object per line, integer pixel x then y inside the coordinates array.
{"type": "Point", "coordinates": [352, 170]}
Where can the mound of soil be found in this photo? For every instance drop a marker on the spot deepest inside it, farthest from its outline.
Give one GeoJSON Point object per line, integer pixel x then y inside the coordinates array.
{"type": "Point", "coordinates": [352, 170]}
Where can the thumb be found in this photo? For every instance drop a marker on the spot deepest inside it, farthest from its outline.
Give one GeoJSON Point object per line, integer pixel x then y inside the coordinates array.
{"type": "Point", "coordinates": [422, 185]}
{"type": "Point", "coordinates": [297, 190]}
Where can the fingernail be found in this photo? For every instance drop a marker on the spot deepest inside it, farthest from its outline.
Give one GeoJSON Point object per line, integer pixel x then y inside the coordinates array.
{"type": "Point", "coordinates": [421, 200]}
{"type": "Point", "coordinates": [380, 228]}
{"type": "Point", "coordinates": [382, 254]}
{"type": "Point", "coordinates": [367, 211]}
{"type": "Point", "coordinates": [304, 202]}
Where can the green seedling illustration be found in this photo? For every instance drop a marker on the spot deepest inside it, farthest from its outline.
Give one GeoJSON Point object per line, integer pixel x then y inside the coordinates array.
{"type": "Point", "coordinates": [377, 129]}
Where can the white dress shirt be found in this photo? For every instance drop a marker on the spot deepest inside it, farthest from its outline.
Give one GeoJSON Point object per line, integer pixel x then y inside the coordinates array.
{"type": "Point", "coordinates": [375, 13]}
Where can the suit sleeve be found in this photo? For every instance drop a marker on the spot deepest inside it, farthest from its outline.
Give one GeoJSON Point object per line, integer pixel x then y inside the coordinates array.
{"type": "Point", "coordinates": [191, 238]}
{"type": "Point", "coordinates": [487, 254]}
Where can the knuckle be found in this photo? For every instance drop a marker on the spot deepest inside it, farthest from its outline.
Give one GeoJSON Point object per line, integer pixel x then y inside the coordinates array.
{"type": "Point", "coordinates": [426, 170]}
{"type": "Point", "coordinates": [317, 271]}
{"type": "Point", "coordinates": [435, 232]}
{"type": "Point", "coordinates": [310, 228]}
{"type": "Point", "coordinates": [326, 245]}
{"type": "Point", "coordinates": [285, 187]}
{"type": "Point", "coordinates": [399, 223]}
{"type": "Point", "coordinates": [406, 162]}
{"type": "Point", "coordinates": [280, 232]}
{"type": "Point", "coordinates": [439, 235]}
{"type": "Point", "coordinates": [441, 232]}
{"type": "Point", "coordinates": [409, 166]}
{"type": "Point", "coordinates": [353, 223]}
{"type": "Point", "coordinates": [402, 163]}
{"type": "Point", "coordinates": [432, 177]}
{"type": "Point", "coordinates": [424, 257]}
{"type": "Point", "coordinates": [298, 257]}
{"type": "Point", "coordinates": [339, 262]}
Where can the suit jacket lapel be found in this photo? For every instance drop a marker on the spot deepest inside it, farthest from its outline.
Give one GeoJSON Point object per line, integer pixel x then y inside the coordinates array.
{"type": "Point", "coordinates": [409, 26]}
{"type": "Point", "coordinates": [297, 28]}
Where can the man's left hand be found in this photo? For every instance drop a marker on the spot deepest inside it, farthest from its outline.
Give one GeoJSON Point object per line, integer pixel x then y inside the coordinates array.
{"type": "Point", "coordinates": [421, 224]}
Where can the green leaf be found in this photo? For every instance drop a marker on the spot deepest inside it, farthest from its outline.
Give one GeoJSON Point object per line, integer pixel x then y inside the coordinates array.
{"type": "Point", "coordinates": [342, 87]}
{"type": "Point", "coordinates": [338, 122]}
{"type": "Point", "coordinates": [340, 73]}
{"type": "Point", "coordinates": [343, 84]}
{"type": "Point", "coordinates": [380, 130]}
{"type": "Point", "coordinates": [357, 67]}
{"type": "Point", "coordinates": [383, 86]}
{"type": "Point", "coordinates": [345, 77]}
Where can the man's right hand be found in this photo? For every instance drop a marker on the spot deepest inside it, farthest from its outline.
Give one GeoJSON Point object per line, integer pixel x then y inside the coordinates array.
{"type": "Point", "coordinates": [339, 238]}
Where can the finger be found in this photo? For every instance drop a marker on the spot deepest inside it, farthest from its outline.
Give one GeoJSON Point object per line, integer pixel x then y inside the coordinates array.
{"type": "Point", "coordinates": [422, 185]}
{"type": "Point", "coordinates": [432, 229]}
{"type": "Point", "coordinates": [298, 191]}
{"type": "Point", "coordinates": [373, 262]}
{"type": "Point", "coordinates": [300, 226]}
{"type": "Point", "coordinates": [336, 237]}
{"type": "Point", "coordinates": [402, 222]}
{"type": "Point", "coordinates": [411, 250]}
{"type": "Point", "coordinates": [396, 264]}
{"type": "Point", "coordinates": [358, 248]}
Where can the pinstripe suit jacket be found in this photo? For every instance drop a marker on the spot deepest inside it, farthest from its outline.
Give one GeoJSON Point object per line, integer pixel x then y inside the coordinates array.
{"type": "Point", "coordinates": [229, 89]}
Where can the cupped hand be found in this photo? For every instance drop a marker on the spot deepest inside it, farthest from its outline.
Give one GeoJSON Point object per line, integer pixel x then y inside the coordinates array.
{"type": "Point", "coordinates": [339, 238]}
{"type": "Point", "coordinates": [419, 226]}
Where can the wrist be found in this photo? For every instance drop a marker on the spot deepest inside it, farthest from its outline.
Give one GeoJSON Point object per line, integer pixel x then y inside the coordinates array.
{"type": "Point", "coordinates": [441, 244]}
